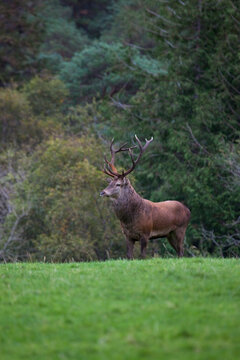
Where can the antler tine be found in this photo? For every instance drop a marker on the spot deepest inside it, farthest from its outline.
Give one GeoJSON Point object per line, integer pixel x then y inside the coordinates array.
{"type": "Point", "coordinates": [110, 164]}
{"type": "Point", "coordinates": [146, 145]}
{"type": "Point", "coordinates": [134, 163]}
{"type": "Point", "coordinates": [110, 168]}
{"type": "Point", "coordinates": [122, 148]}
{"type": "Point", "coordinates": [106, 160]}
{"type": "Point", "coordinates": [142, 149]}
{"type": "Point", "coordinates": [125, 149]}
{"type": "Point", "coordinates": [112, 151]}
{"type": "Point", "coordinates": [107, 172]}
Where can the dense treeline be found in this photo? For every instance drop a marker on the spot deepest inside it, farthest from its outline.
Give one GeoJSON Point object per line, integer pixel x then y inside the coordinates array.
{"type": "Point", "coordinates": [74, 74]}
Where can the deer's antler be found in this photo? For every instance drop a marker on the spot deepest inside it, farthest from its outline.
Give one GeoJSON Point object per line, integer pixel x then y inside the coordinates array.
{"type": "Point", "coordinates": [111, 169]}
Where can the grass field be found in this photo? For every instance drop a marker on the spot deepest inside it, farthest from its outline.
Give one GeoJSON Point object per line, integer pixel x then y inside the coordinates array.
{"type": "Point", "coordinates": [153, 309]}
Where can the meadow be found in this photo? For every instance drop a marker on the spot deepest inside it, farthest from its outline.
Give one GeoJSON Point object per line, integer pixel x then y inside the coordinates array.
{"type": "Point", "coordinates": [153, 309]}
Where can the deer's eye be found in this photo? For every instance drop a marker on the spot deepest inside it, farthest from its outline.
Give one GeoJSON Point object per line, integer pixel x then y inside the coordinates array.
{"type": "Point", "coordinates": [118, 184]}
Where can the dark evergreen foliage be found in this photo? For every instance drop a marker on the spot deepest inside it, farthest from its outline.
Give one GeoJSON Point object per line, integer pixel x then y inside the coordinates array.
{"type": "Point", "coordinates": [21, 33]}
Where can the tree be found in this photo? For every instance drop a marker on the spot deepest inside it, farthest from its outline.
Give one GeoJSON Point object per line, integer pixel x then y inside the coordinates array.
{"type": "Point", "coordinates": [20, 36]}
{"type": "Point", "coordinates": [62, 38]}
{"type": "Point", "coordinates": [107, 69]}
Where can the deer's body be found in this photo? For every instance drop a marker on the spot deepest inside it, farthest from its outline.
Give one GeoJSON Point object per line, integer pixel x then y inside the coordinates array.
{"type": "Point", "coordinates": [142, 219]}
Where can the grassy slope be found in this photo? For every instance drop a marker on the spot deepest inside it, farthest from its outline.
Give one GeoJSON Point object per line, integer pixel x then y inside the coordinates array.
{"type": "Point", "coordinates": [153, 309]}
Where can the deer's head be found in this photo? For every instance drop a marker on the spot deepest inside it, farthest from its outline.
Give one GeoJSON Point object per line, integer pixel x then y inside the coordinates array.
{"type": "Point", "coordinates": [119, 182]}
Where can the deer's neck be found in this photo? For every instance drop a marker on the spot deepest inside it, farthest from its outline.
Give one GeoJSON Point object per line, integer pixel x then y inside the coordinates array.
{"type": "Point", "coordinates": [127, 205]}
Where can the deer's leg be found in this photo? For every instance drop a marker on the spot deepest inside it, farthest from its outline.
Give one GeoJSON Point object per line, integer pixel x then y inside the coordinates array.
{"type": "Point", "coordinates": [130, 247]}
{"type": "Point", "coordinates": [171, 240]}
{"type": "Point", "coordinates": [143, 242]}
{"type": "Point", "coordinates": [176, 239]}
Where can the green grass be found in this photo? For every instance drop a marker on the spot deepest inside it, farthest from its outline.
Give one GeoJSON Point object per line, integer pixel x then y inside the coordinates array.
{"type": "Point", "coordinates": [153, 309]}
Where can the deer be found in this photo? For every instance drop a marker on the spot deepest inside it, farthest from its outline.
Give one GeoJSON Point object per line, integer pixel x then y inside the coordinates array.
{"type": "Point", "coordinates": [141, 219]}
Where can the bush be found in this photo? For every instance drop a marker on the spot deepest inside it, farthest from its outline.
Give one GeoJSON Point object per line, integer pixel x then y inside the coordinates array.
{"type": "Point", "coordinates": [46, 95]}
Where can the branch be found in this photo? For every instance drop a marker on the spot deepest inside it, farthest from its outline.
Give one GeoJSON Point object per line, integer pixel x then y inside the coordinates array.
{"type": "Point", "coordinates": [195, 140]}
{"type": "Point", "coordinates": [227, 82]}
{"type": "Point", "coordinates": [120, 105]}
{"type": "Point", "coordinates": [160, 17]}
{"type": "Point", "coordinates": [10, 238]}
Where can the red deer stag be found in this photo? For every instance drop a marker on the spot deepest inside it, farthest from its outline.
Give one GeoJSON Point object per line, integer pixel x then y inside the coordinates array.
{"type": "Point", "coordinates": [142, 219]}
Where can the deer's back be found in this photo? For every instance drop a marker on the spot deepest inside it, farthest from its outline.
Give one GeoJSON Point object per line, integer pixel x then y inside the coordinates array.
{"type": "Point", "coordinates": [169, 212]}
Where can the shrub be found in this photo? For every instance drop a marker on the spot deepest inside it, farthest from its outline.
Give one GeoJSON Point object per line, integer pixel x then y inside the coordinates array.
{"type": "Point", "coordinates": [46, 95]}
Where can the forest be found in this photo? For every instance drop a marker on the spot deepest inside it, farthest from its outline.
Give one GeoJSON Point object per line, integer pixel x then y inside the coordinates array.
{"type": "Point", "coordinates": [73, 75]}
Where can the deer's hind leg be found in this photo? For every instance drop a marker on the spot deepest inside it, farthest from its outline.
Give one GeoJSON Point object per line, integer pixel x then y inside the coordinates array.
{"type": "Point", "coordinates": [176, 239]}
{"type": "Point", "coordinates": [143, 242]}
{"type": "Point", "coordinates": [130, 247]}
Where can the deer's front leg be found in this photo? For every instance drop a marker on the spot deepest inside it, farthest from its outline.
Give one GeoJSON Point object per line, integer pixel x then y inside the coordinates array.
{"type": "Point", "coordinates": [130, 247]}
{"type": "Point", "coordinates": [143, 241]}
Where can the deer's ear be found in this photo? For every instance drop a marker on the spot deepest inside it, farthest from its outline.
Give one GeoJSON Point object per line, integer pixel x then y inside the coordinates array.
{"type": "Point", "coordinates": [108, 180]}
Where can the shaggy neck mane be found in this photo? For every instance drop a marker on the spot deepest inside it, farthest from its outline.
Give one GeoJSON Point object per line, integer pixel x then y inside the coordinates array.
{"type": "Point", "coordinates": [128, 204]}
